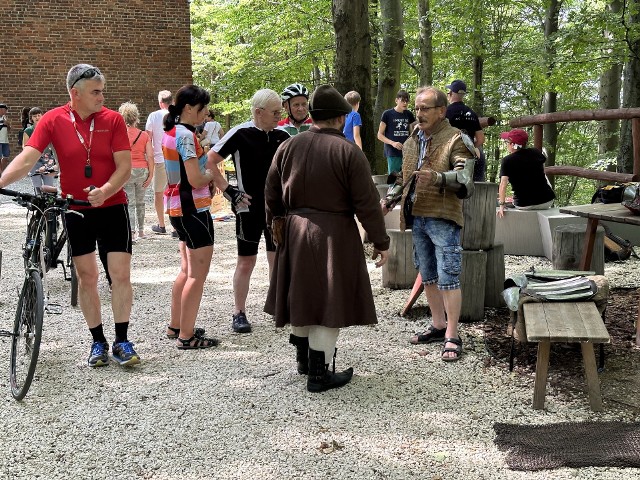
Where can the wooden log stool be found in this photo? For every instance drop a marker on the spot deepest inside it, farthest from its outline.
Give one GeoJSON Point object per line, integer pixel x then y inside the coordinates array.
{"type": "Point", "coordinates": [548, 322]}
{"type": "Point", "coordinates": [399, 272]}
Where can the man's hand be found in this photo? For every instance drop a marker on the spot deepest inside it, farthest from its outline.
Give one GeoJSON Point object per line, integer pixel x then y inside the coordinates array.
{"type": "Point", "coordinates": [397, 145]}
{"type": "Point", "coordinates": [96, 196]}
{"type": "Point", "coordinates": [500, 212]}
{"type": "Point", "coordinates": [383, 254]}
{"type": "Point", "coordinates": [238, 198]}
{"type": "Point", "coordinates": [427, 176]}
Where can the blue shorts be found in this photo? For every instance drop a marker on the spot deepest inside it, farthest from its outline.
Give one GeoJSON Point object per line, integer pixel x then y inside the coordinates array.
{"type": "Point", "coordinates": [394, 164]}
{"type": "Point", "coordinates": [4, 150]}
{"type": "Point", "coordinates": [438, 251]}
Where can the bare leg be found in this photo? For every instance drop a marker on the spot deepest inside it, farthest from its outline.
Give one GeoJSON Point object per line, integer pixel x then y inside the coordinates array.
{"type": "Point", "coordinates": [121, 291]}
{"type": "Point", "coordinates": [437, 305]}
{"type": "Point", "coordinates": [159, 204]}
{"type": "Point", "coordinates": [178, 288]}
{"type": "Point", "coordinates": [87, 270]}
{"type": "Point", "coordinates": [241, 279]}
{"type": "Point", "coordinates": [198, 262]}
{"type": "Point", "coordinates": [452, 304]}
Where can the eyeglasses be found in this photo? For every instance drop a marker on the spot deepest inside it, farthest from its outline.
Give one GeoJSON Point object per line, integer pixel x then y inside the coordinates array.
{"type": "Point", "coordinates": [88, 73]}
{"type": "Point", "coordinates": [275, 113]}
{"type": "Point", "coordinates": [425, 109]}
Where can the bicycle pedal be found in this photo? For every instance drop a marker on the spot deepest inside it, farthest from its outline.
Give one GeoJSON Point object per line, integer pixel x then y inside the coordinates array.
{"type": "Point", "coordinates": [53, 308]}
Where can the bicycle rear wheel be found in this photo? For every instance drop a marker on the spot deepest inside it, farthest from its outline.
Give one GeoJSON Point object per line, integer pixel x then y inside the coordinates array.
{"type": "Point", "coordinates": [27, 333]}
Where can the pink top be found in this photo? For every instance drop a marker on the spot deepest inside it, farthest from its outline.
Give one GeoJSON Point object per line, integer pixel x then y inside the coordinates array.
{"type": "Point", "coordinates": [138, 159]}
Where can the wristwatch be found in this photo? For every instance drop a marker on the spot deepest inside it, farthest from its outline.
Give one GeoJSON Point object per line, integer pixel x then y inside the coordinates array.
{"type": "Point", "coordinates": [502, 203]}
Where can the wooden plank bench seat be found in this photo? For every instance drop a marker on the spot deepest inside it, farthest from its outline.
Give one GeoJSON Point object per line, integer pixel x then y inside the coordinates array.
{"type": "Point", "coordinates": [568, 322]}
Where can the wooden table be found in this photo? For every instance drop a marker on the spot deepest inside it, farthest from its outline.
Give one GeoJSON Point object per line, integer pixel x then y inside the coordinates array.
{"type": "Point", "coordinates": [567, 322]}
{"type": "Point", "coordinates": [610, 212]}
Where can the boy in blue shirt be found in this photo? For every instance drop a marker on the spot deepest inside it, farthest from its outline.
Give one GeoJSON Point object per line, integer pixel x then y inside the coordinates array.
{"type": "Point", "coordinates": [353, 121]}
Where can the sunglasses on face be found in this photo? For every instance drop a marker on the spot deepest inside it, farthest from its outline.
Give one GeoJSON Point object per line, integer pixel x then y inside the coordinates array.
{"type": "Point", "coordinates": [88, 73]}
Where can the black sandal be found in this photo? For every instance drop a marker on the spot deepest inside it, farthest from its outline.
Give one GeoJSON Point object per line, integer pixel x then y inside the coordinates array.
{"type": "Point", "coordinates": [199, 332]}
{"type": "Point", "coordinates": [457, 349]}
{"type": "Point", "coordinates": [430, 335]}
{"type": "Point", "coordinates": [196, 342]}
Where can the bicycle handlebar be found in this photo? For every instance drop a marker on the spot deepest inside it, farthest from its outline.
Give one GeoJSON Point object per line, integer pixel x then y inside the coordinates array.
{"type": "Point", "coordinates": [30, 198]}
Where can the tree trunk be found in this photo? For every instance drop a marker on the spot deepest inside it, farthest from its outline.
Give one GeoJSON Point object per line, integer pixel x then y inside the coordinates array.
{"type": "Point", "coordinates": [609, 94]}
{"type": "Point", "coordinates": [353, 62]}
{"type": "Point", "coordinates": [550, 131]}
{"type": "Point", "coordinates": [477, 103]}
{"type": "Point", "coordinates": [631, 91]}
{"type": "Point", "coordinates": [389, 65]}
{"type": "Point", "coordinates": [425, 44]}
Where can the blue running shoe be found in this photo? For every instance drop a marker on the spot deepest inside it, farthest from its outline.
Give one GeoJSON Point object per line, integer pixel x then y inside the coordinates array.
{"type": "Point", "coordinates": [124, 354]}
{"type": "Point", "coordinates": [99, 356]}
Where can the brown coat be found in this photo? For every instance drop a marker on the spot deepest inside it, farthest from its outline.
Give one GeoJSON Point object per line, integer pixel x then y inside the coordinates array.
{"type": "Point", "coordinates": [320, 275]}
{"type": "Point", "coordinates": [445, 150]}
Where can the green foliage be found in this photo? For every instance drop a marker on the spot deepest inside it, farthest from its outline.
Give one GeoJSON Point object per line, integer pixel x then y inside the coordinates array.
{"type": "Point", "coordinates": [240, 46]}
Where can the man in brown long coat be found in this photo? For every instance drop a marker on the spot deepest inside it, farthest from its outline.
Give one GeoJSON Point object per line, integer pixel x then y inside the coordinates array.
{"type": "Point", "coordinates": [318, 180]}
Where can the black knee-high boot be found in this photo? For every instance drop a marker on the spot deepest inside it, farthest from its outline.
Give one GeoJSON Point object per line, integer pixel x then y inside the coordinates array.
{"type": "Point", "coordinates": [302, 352]}
{"type": "Point", "coordinates": [320, 378]}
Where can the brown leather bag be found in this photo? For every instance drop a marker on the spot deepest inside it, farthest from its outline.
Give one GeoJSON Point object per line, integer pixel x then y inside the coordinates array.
{"type": "Point", "coordinates": [277, 230]}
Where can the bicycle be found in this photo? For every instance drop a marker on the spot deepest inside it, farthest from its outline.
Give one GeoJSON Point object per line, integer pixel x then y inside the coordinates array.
{"type": "Point", "coordinates": [40, 252]}
{"type": "Point", "coordinates": [55, 242]}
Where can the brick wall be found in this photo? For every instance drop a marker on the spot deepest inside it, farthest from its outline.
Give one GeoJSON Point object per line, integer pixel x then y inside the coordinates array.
{"type": "Point", "coordinates": [141, 47]}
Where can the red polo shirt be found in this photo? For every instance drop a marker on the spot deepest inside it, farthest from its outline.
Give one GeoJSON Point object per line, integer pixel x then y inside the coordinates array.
{"type": "Point", "coordinates": [109, 136]}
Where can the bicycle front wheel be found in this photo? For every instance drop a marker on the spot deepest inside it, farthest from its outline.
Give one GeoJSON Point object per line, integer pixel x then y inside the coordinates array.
{"type": "Point", "coordinates": [27, 333]}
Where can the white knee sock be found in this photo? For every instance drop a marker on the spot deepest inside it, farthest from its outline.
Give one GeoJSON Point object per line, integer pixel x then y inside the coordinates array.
{"type": "Point", "coordinates": [323, 339]}
{"type": "Point", "coordinates": [300, 331]}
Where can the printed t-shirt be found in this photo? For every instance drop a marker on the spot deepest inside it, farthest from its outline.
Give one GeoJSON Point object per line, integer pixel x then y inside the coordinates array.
{"type": "Point", "coordinates": [109, 136]}
{"type": "Point", "coordinates": [397, 129]}
{"type": "Point", "coordinates": [180, 145]}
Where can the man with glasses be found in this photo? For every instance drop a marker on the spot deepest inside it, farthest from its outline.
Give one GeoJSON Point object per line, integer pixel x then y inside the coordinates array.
{"type": "Point", "coordinates": [252, 145]}
{"type": "Point", "coordinates": [95, 162]}
{"type": "Point", "coordinates": [464, 118]}
{"type": "Point", "coordinates": [394, 130]}
{"type": "Point", "coordinates": [442, 165]}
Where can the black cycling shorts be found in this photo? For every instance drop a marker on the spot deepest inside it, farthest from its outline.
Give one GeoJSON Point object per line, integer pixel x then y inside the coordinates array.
{"type": "Point", "coordinates": [195, 229]}
{"type": "Point", "coordinates": [249, 229]}
{"type": "Point", "coordinates": [108, 226]}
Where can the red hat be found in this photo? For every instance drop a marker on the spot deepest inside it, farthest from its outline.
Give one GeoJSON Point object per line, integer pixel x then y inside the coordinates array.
{"type": "Point", "coordinates": [517, 136]}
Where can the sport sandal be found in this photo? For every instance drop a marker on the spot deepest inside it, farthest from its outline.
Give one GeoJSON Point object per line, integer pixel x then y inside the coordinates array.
{"type": "Point", "coordinates": [199, 332]}
{"type": "Point", "coordinates": [430, 335]}
{"type": "Point", "coordinates": [195, 343]}
{"type": "Point", "coordinates": [457, 349]}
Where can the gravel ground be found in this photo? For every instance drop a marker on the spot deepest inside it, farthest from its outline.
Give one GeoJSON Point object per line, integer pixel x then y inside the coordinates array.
{"type": "Point", "coordinates": [241, 411]}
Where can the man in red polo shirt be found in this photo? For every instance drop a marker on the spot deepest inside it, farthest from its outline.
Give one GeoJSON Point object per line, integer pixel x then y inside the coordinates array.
{"type": "Point", "coordinates": [95, 162]}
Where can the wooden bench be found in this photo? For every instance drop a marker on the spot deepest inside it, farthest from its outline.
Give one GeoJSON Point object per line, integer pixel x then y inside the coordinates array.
{"type": "Point", "coordinates": [569, 322]}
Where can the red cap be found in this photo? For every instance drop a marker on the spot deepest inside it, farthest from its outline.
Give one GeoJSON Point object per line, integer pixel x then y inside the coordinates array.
{"type": "Point", "coordinates": [517, 136]}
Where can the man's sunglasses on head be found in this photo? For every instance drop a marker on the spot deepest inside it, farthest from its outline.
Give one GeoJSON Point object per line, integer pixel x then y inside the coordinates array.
{"type": "Point", "coordinates": [88, 73]}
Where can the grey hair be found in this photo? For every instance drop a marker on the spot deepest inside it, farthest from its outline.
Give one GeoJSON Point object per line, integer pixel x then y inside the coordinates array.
{"type": "Point", "coordinates": [164, 96]}
{"type": "Point", "coordinates": [76, 71]}
{"type": "Point", "coordinates": [263, 97]}
{"type": "Point", "coordinates": [438, 95]}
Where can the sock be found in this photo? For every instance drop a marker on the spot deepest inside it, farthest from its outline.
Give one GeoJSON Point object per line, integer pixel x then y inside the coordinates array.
{"type": "Point", "coordinates": [98, 334]}
{"type": "Point", "coordinates": [121, 332]}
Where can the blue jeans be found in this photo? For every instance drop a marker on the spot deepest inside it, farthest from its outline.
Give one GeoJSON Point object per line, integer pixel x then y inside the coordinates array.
{"type": "Point", "coordinates": [438, 251]}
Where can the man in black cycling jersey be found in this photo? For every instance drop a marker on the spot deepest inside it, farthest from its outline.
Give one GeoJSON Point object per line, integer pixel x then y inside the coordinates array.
{"type": "Point", "coordinates": [295, 100]}
{"type": "Point", "coordinates": [252, 145]}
